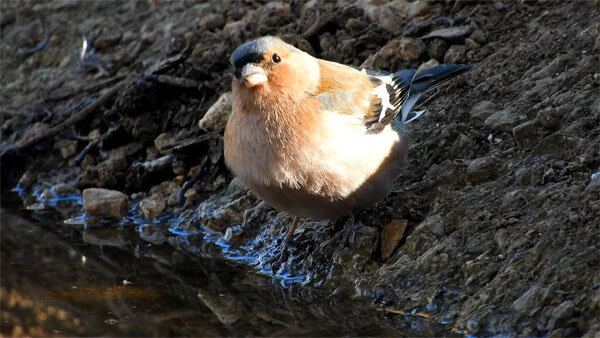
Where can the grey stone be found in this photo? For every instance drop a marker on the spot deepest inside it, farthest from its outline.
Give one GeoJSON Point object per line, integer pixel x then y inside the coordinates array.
{"type": "Point", "coordinates": [455, 54]}
{"type": "Point", "coordinates": [478, 36]}
{"type": "Point", "coordinates": [226, 208]}
{"type": "Point", "coordinates": [561, 314]}
{"type": "Point", "coordinates": [217, 115]}
{"type": "Point", "coordinates": [484, 169]}
{"type": "Point", "coordinates": [152, 206]}
{"type": "Point", "coordinates": [87, 162]}
{"type": "Point", "coordinates": [94, 135]}
{"type": "Point", "coordinates": [105, 202]}
{"type": "Point", "coordinates": [211, 21]}
{"type": "Point", "coordinates": [527, 135]}
{"type": "Point", "coordinates": [531, 301]}
{"type": "Point", "coordinates": [235, 31]}
{"type": "Point", "coordinates": [503, 120]}
{"type": "Point", "coordinates": [482, 111]}
{"type": "Point", "coordinates": [327, 41]}
{"type": "Point", "coordinates": [308, 7]}
{"type": "Point", "coordinates": [557, 146]}
{"type": "Point", "coordinates": [410, 49]}
{"type": "Point", "coordinates": [406, 49]}
{"type": "Point", "coordinates": [594, 186]}
{"type": "Point", "coordinates": [471, 44]}
{"type": "Point", "coordinates": [437, 49]}
{"type": "Point", "coordinates": [433, 224]}
{"type": "Point", "coordinates": [549, 119]}
{"type": "Point", "coordinates": [164, 141]}
{"type": "Point", "coordinates": [67, 148]}
{"type": "Point", "coordinates": [392, 15]}
{"type": "Point", "coordinates": [429, 64]}
{"type": "Point", "coordinates": [355, 25]}
{"type": "Point", "coordinates": [596, 108]}
{"type": "Point", "coordinates": [28, 179]}
{"type": "Point", "coordinates": [531, 175]}
{"type": "Point", "coordinates": [456, 33]}
{"type": "Point", "coordinates": [63, 190]}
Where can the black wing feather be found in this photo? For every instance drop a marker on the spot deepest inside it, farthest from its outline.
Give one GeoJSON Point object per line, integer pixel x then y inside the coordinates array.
{"type": "Point", "coordinates": [404, 89]}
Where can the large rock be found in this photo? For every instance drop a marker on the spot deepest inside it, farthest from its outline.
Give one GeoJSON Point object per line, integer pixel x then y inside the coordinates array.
{"type": "Point", "coordinates": [390, 237]}
{"type": "Point", "coordinates": [455, 54]}
{"type": "Point", "coordinates": [503, 120]}
{"type": "Point", "coordinates": [105, 202]}
{"type": "Point", "coordinates": [531, 301]}
{"type": "Point", "coordinates": [482, 111]}
{"type": "Point", "coordinates": [405, 49]}
{"type": "Point", "coordinates": [391, 15]}
{"type": "Point", "coordinates": [409, 49]}
{"type": "Point", "coordinates": [437, 49]}
{"type": "Point", "coordinates": [152, 206]}
{"type": "Point", "coordinates": [485, 169]}
{"type": "Point", "coordinates": [527, 134]}
{"type": "Point", "coordinates": [217, 115]}
{"type": "Point", "coordinates": [557, 145]}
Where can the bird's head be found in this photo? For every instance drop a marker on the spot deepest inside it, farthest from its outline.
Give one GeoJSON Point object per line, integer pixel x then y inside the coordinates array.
{"type": "Point", "coordinates": [271, 65]}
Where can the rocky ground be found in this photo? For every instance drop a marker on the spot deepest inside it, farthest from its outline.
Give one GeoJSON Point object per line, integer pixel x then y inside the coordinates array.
{"type": "Point", "coordinates": [492, 228]}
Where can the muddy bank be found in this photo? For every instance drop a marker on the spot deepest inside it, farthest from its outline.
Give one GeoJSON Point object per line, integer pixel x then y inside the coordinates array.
{"type": "Point", "coordinates": [500, 206]}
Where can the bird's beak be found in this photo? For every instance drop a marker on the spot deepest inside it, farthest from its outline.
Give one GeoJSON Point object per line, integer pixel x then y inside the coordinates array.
{"type": "Point", "coordinates": [253, 75]}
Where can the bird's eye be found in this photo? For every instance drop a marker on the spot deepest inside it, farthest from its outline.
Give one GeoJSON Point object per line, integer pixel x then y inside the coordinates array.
{"type": "Point", "coordinates": [276, 58]}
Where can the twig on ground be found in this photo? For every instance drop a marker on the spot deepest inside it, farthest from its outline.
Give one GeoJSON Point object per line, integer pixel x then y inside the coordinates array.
{"type": "Point", "coordinates": [40, 46]}
{"type": "Point", "coordinates": [176, 81]}
{"type": "Point", "coordinates": [109, 133]}
{"type": "Point", "coordinates": [78, 117]}
{"type": "Point", "coordinates": [89, 90]}
{"type": "Point", "coordinates": [88, 110]}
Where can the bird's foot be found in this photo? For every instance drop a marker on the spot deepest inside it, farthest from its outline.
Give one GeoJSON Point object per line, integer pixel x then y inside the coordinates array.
{"type": "Point", "coordinates": [283, 255]}
{"type": "Point", "coordinates": [347, 234]}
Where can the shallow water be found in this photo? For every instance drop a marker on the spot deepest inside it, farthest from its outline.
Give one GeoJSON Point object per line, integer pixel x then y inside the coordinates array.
{"type": "Point", "coordinates": [62, 279]}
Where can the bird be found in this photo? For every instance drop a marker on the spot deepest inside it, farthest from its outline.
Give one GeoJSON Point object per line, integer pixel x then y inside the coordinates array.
{"type": "Point", "coordinates": [318, 139]}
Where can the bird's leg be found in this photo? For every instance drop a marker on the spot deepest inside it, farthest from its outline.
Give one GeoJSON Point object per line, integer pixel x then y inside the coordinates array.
{"type": "Point", "coordinates": [290, 234]}
{"type": "Point", "coordinates": [347, 233]}
{"type": "Point", "coordinates": [286, 243]}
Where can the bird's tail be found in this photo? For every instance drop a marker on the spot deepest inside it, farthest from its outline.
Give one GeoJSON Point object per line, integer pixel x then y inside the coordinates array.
{"type": "Point", "coordinates": [418, 84]}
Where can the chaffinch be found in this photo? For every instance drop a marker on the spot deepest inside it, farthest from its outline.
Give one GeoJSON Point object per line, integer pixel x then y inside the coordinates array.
{"type": "Point", "coordinates": [314, 138]}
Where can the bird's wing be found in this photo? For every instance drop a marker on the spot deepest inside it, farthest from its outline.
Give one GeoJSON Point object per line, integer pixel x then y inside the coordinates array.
{"type": "Point", "coordinates": [406, 87]}
{"type": "Point", "coordinates": [378, 97]}
{"type": "Point", "coordinates": [391, 93]}
{"type": "Point", "coordinates": [399, 92]}
{"type": "Point", "coordinates": [348, 91]}
{"type": "Point", "coordinates": [374, 96]}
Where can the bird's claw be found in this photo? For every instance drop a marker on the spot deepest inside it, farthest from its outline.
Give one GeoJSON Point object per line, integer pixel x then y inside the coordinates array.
{"type": "Point", "coordinates": [283, 255]}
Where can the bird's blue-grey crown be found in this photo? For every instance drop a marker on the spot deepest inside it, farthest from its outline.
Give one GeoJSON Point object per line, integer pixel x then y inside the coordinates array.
{"type": "Point", "coordinates": [252, 52]}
